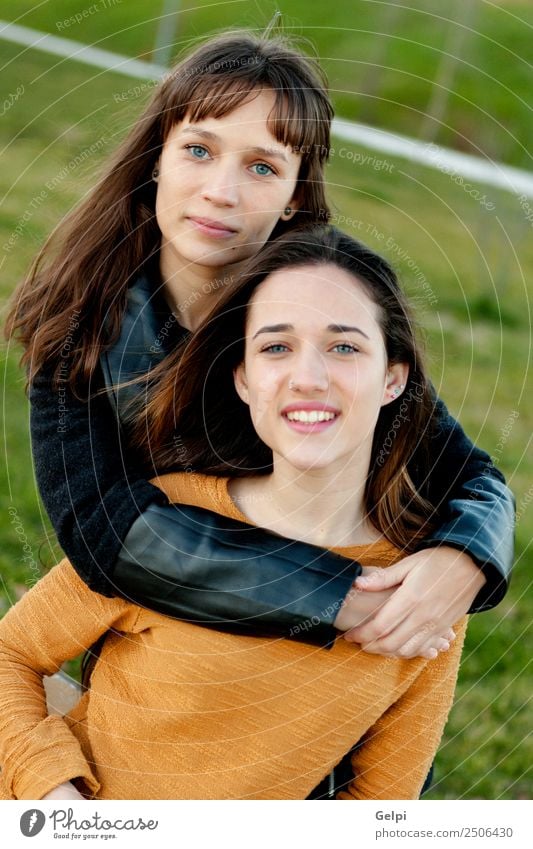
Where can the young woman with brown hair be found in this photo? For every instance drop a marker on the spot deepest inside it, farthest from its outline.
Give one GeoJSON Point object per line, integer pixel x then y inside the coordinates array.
{"type": "Point", "coordinates": [285, 398]}
{"type": "Point", "coordinates": [228, 154]}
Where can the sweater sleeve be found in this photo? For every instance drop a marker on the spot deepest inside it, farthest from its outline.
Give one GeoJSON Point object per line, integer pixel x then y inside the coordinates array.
{"type": "Point", "coordinates": [54, 622]}
{"type": "Point", "coordinates": [395, 755]}
{"type": "Point", "coordinates": [475, 506]}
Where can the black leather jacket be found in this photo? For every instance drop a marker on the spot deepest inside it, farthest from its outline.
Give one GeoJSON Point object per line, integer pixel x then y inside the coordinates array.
{"type": "Point", "coordinates": [124, 538]}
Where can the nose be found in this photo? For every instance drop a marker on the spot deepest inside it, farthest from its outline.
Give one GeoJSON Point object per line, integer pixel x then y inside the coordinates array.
{"type": "Point", "coordinates": [309, 373]}
{"type": "Point", "coordinates": [222, 183]}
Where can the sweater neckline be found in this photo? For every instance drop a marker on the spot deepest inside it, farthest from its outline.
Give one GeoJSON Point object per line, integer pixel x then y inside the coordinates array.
{"type": "Point", "coordinates": [229, 508]}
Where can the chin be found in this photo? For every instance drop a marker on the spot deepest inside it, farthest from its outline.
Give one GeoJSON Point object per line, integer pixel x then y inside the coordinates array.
{"type": "Point", "coordinates": [309, 464]}
{"type": "Point", "coordinates": [206, 258]}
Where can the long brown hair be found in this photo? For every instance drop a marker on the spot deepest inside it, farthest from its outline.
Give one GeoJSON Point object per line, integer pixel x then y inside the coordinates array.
{"type": "Point", "coordinates": [196, 420]}
{"type": "Point", "coordinates": [85, 267]}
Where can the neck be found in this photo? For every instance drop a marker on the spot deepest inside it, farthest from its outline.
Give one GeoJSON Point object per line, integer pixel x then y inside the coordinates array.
{"type": "Point", "coordinates": [317, 506]}
{"type": "Point", "coordinates": [191, 289]}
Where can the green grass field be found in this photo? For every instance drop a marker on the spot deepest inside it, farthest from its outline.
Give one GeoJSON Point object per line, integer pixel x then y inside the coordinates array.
{"type": "Point", "coordinates": [466, 262]}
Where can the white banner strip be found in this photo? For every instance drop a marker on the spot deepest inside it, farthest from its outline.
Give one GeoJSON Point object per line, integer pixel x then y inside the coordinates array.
{"type": "Point", "coordinates": [264, 825]}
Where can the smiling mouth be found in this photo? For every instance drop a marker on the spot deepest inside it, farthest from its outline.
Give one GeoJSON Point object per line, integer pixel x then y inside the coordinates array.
{"type": "Point", "coordinates": [310, 421]}
{"type": "Point", "coordinates": [310, 416]}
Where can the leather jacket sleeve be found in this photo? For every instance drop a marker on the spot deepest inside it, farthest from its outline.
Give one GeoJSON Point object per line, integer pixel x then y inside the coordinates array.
{"type": "Point", "coordinates": [475, 506]}
{"type": "Point", "coordinates": [204, 568]}
{"type": "Point", "coordinates": [123, 537]}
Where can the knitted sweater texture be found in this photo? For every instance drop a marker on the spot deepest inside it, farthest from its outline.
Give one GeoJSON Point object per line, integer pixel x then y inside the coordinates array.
{"type": "Point", "coordinates": [179, 711]}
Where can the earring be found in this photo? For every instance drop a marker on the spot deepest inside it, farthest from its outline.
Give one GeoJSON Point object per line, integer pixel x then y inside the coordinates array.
{"type": "Point", "coordinates": [397, 391]}
{"type": "Point", "coordinates": [155, 174]}
{"type": "Point", "coordinates": [287, 210]}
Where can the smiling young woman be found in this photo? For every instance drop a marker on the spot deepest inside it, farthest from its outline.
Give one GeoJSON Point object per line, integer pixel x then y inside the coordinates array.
{"type": "Point", "coordinates": [324, 382]}
{"type": "Point", "coordinates": [324, 375]}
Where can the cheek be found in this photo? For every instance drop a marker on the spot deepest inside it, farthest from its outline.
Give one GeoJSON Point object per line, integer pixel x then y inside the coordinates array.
{"type": "Point", "coordinates": [176, 182]}
{"type": "Point", "coordinates": [164, 202]}
{"type": "Point", "coordinates": [365, 387]}
{"type": "Point", "coordinates": [260, 226]}
{"type": "Point", "coordinates": [264, 387]}
{"type": "Point", "coordinates": [267, 209]}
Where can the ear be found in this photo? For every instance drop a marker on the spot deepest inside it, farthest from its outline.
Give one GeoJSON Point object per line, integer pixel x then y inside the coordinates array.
{"type": "Point", "coordinates": [291, 207]}
{"type": "Point", "coordinates": [241, 386]}
{"type": "Point", "coordinates": [395, 383]}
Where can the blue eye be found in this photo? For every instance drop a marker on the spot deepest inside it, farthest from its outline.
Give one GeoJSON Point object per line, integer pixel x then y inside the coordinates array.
{"type": "Point", "coordinates": [265, 169]}
{"type": "Point", "coordinates": [275, 348]}
{"type": "Point", "coordinates": [198, 151]}
{"type": "Point", "coordinates": [345, 348]}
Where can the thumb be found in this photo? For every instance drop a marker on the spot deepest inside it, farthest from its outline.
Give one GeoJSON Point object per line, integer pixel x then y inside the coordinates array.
{"type": "Point", "coordinates": [382, 579]}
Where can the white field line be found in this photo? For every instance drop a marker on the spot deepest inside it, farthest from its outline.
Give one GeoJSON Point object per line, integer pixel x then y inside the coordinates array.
{"type": "Point", "coordinates": [80, 52]}
{"type": "Point", "coordinates": [484, 171]}
{"type": "Point", "coordinates": [443, 159]}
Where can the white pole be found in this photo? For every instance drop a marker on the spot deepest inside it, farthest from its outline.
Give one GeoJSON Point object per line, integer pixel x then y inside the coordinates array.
{"type": "Point", "coordinates": [166, 32]}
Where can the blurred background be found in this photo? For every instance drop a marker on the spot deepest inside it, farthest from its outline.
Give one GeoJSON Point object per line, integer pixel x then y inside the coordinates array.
{"type": "Point", "coordinates": [456, 75]}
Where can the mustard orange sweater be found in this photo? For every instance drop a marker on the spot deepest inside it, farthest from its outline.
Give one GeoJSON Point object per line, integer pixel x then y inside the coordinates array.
{"type": "Point", "coordinates": [178, 711]}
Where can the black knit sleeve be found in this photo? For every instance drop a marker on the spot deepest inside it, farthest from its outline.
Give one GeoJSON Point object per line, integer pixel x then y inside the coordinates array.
{"type": "Point", "coordinates": [89, 490]}
{"type": "Point", "coordinates": [475, 506]}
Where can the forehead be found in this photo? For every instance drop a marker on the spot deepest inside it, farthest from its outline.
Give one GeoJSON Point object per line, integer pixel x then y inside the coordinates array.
{"type": "Point", "coordinates": [313, 295]}
{"type": "Point", "coordinates": [299, 114]}
{"type": "Point", "coordinates": [249, 123]}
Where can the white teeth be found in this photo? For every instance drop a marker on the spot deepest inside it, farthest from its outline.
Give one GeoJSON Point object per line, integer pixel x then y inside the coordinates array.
{"type": "Point", "coordinates": [310, 416]}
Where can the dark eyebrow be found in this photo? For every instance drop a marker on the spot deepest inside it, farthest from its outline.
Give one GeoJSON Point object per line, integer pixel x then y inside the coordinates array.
{"type": "Point", "coordinates": [260, 151]}
{"type": "Point", "coordinates": [275, 328]}
{"type": "Point", "coordinates": [332, 328]}
{"type": "Point", "coordinates": [343, 328]}
{"type": "Point", "coordinates": [269, 153]}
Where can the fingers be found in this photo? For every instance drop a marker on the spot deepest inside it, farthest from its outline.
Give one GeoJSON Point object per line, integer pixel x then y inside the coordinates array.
{"type": "Point", "coordinates": [428, 649]}
{"type": "Point", "coordinates": [383, 579]}
{"type": "Point", "coordinates": [436, 645]}
{"type": "Point", "coordinates": [433, 651]}
{"type": "Point", "coordinates": [387, 621]}
{"type": "Point", "coordinates": [415, 621]}
{"type": "Point", "coordinates": [359, 608]}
